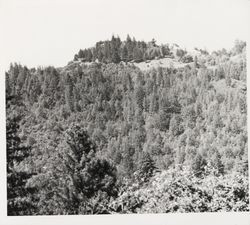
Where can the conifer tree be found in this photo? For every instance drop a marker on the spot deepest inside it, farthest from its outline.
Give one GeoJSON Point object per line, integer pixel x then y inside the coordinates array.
{"type": "Point", "coordinates": [124, 54]}
{"type": "Point", "coordinates": [19, 200]}
{"type": "Point", "coordinates": [69, 97]}
{"type": "Point", "coordinates": [147, 167]}
{"type": "Point", "coordinates": [86, 174]}
{"type": "Point", "coordinates": [198, 164]}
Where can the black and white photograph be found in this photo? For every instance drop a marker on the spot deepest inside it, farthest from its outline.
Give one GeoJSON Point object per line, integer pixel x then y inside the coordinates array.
{"type": "Point", "coordinates": [124, 107]}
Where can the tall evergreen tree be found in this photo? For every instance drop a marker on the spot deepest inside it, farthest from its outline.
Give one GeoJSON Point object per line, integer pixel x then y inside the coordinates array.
{"type": "Point", "coordinates": [147, 167]}
{"type": "Point", "coordinates": [124, 53]}
{"type": "Point", "coordinates": [19, 198]}
{"type": "Point", "coordinates": [86, 174]}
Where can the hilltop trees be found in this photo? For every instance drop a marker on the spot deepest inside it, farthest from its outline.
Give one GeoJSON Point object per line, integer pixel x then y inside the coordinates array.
{"type": "Point", "coordinates": [116, 51]}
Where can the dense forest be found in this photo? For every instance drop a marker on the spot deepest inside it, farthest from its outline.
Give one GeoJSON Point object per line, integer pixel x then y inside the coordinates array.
{"type": "Point", "coordinates": [101, 136]}
{"type": "Point", "coordinates": [115, 51]}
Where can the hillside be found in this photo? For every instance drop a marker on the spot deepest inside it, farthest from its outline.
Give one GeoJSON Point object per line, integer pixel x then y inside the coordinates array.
{"type": "Point", "coordinates": [165, 63]}
{"type": "Point", "coordinates": [130, 127]}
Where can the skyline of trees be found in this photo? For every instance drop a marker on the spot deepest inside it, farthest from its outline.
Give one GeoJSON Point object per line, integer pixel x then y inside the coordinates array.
{"type": "Point", "coordinates": [129, 50]}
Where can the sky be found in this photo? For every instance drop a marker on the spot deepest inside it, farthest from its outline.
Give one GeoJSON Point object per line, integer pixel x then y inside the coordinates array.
{"type": "Point", "coordinates": [49, 32]}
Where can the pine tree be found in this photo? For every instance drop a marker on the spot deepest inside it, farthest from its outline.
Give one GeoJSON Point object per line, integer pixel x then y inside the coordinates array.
{"type": "Point", "coordinates": [87, 174]}
{"type": "Point", "coordinates": [154, 104]}
{"type": "Point", "coordinates": [128, 163]}
{"type": "Point", "coordinates": [198, 164]}
{"type": "Point", "coordinates": [137, 54]}
{"type": "Point", "coordinates": [147, 167]}
{"type": "Point", "coordinates": [81, 54]}
{"type": "Point", "coordinates": [216, 162]}
{"type": "Point", "coordinates": [19, 199]}
{"type": "Point", "coordinates": [139, 96]}
{"type": "Point", "coordinates": [196, 65]}
{"type": "Point", "coordinates": [124, 54]}
{"type": "Point", "coordinates": [69, 97]}
{"type": "Point", "coordinates": [129, 45]}
{"type": "Point", "coordinates": [115, 49]}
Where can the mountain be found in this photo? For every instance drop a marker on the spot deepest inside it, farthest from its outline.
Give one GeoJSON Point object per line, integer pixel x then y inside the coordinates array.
{"type": "Point", "coordinates": [134, 127]}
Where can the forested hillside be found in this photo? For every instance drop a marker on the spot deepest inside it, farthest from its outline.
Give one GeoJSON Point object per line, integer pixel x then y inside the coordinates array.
{"type": "Point", "coordinates": [103, 136]}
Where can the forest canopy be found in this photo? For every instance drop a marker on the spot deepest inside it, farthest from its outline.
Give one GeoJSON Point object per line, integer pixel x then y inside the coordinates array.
{"type": "Point", "coordinates": [107, 137]}
{"type": "Point", "coordinates": [115, 51]}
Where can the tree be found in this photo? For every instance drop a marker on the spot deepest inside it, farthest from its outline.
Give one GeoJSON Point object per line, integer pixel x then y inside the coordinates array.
{"type": "Point", "coordinates": [153, 42]}
{"type": "Point", "coordinates": [128, 163]}
{"type": "Point", "coordinates": [69, 97]}
{"type": "Point", "coordinates": [215, 162]}
{"type": "Point", "coordinates": [137, 54]}
{"type": "Point", "coordinates": [165, 50]}
{"type": "Point", "coordinates": [147, 167]}
{"type": "Point", "coordinates": [129, 45]}
{"type": "Point", "coordinates": [239, 46]}
{"type": "Point", "coordinates": [162, 120]}
{"type": "Point", "coordinates": [180, 53]}
{"type": "Point", "coordinates": [115, 49]}
{"type": "Point", "coordinates": [86, 174]}
{"type": "Point", "coordinates": [124, 54]}
{"type": "Point", "coordinates": [89, 55]}
{"type": "Point", "coordinates": [187, 59]}
{"type": "Point", "coordinates": [81, 54]}
{"type": "Point", "coordinates": [198, 165]}
{"type": "Point", "coordinates": [115, 58]}
{"type": "Point", "coordinates": [19, 199]}
{"type": "Point", "coordinates": [176, 126]}
{"type": "Point", "coordinates": [139, 96]}
{"type": "Point", "coordinates": [220, 73]}
{"type": "Point", "coordinates": [75, 57]}
{"type": "Point", "coordinates": [196, 65]}
{"type": "Point", "coordinates": [154, 103]}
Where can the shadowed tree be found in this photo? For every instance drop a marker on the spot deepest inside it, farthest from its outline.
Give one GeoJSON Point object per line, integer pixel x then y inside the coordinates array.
{"type": "Point", "coordinates": [147, 167]}
{"type": "Point", "coordinates": [19, 199]}
{"type": "Point", "coordinates": [86, 174]}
